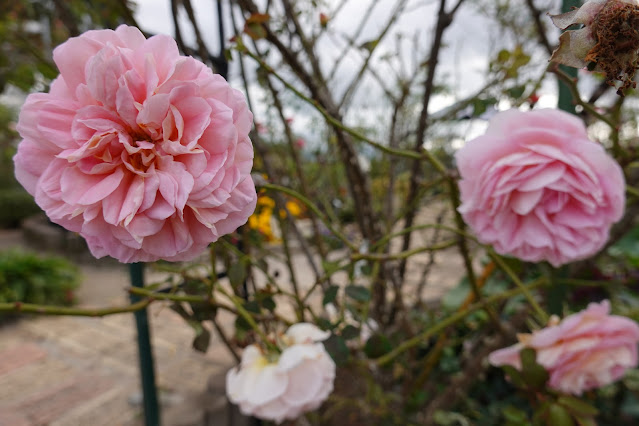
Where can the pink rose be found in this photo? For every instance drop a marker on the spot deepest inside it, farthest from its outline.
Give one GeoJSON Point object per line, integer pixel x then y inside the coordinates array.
{"type": "Point", "coordinates": [586, 350]}
{"type": "Point", "coordinates": [142, 151]}
{"type": "Point", "coordinates": [535, 187]}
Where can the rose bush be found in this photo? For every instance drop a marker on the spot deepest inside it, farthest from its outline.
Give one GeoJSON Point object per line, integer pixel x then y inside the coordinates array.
{"type": "Point", "coordinates": [586, 350]}
{"type": "Point", "coordinates": [535, 187]}
{"type": "Point", "coordinates": [142, 151]}
{"type": "Point", "coordinates": [283, 387]}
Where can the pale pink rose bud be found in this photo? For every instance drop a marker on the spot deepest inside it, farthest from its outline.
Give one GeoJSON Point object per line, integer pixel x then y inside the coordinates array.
{"type": "Point", "coordinates": [284, 386]}
{"type": "Point", "coordinates": [142, 151]}
{"type": "Point", "coordinates": [607, 42]}
{"type": "Point", "coordinates": [535, 187]}
{"type": "Point", "coordinates": [586, 350]}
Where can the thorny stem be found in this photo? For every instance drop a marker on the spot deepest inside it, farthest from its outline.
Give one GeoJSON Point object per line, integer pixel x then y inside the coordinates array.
{"type": "Point", "coordinates": [279, 202]}
{"type": "Point", "coordinates": [572, 86]}
{"type": "Point", "coordinates": [444, 19]}
{"type": "Point", "coordinates": [225, 340]}
{"type": "Point", "coordinates": [454, 318]}
{"type": "Point", "coordinates": [237, 302]}
{"type": "Point", "coordinates": [543, 316]}
{"type": "Point", "coordinates": [404, 254]}
{"type": "Point", "coordinates": [389, 237]}
{"type": "Point", "coordinates": [77, 312]}
{"type": "Point", "coordinates": [300, 176]}
{"type": "Point", "coordinates": [328, 117]}
{"type": "Point", "coordinates": [308, 203]}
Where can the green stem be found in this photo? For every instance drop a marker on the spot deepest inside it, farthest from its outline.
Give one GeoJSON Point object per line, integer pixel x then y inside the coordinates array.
{"type": "Point", "coordinates": [237, 302]}
{"type": "Point", "coordinates": [164, 296]}
{"type": "Point", "coordinates": [632, 191]}
{"type": "Point", "coordinates": [382, 241]}
{"type": "Point", "coordinates": [454, 318]}
{"type": "Point", "coordinates": [77, 312]}
{"type": "Point", "coordinates": [572, 86]}
{"type": "Point", "coordinates": [403, 254]}
{"type": "Point", "coordinates": [308, 203]}
{"type": "Point", "coordinates": [543, 316]}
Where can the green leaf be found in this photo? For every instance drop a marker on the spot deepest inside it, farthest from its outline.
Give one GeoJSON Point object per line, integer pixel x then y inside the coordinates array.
{"type": "Point", "coordinates": [255, 31]}
{"type": "Point", "coordinates": [559, 416]}
{"type": "Point", "coordinates": [631, 380]}
{"type": "Point", "coordinates": [528, 358]}
{"type": "Point", "coordinates": [252, 306]}
{"type": "Point", "coordinates": [503, 55]}
{"type": "Point", "coordinates": [377, 345]}
{"type": "Point", "coordinates": [628, 245]}
{"type": "Point", "coordinates": [268, 303]}
{"type": "Point", "coordinates": [228, 55]}
{"type": "Point", "coordinates": [539, 417]}
{"type": "Point", "coordinates": [456, 296]}
{"type": "Point", "coordinates": [330, 267]}
{"type": "Point", "coordinates": [241, 324]}
{"type": "Point", "coordinates": [577, 406]}
{"type": "Point", "coordinates": [237, 274]}
{"type": "Point", "coordinates": [202, 340]}
{"type": "Point", "coordinates": [330, 294]}
{"type": "Point", "coordinates": [447, 418]}
{"type": "Point", "coordinates": [324, 324]}
{"type": "Point", "coordinates": [630, 405]}
{"type": "Point", "coordinates": [350, 332]}
{"type": "Point", "coordinates": [479, 107]}
{"type": "Point", "coordinates": [369, 45]}
{"type": "Point", "coordinates": [516, 92]}
{"type": "Point", "coordinates": [514, 375]}
{"type": "Point", "coordinates": [358, 292]}
{"type": "Point", "coordinates": [586, 421]}
{"type": "Point", "coordinates": [254, 25]}
{"type": "Point", "coordinates": [533, 374]}
{"type": "Point", "coordinates": [337, 349]}
{"type": "Point", "coordinates": [513, 414]}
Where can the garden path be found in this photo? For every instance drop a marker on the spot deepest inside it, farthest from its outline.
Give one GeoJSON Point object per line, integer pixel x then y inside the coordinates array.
{"type": "Point", "coordinates": [76, 371]}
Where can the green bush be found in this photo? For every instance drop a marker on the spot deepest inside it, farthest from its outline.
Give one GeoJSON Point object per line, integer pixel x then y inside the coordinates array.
{"type": "Point", "coordinates": [15, 205]}
{"type": "Point", "coordinates": [29, 278]}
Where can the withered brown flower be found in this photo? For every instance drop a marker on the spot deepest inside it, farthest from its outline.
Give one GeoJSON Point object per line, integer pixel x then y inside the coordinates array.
{"type": "Point", "coordinates": [607, 42]}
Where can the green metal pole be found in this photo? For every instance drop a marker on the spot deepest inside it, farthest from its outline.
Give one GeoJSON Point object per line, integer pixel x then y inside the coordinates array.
{"type": "Point", "coordinates": [557, 292]}
{"type": "Point", "coordinates": [147, 370]}
{"type": "Point", "coordinates": [565, 97]}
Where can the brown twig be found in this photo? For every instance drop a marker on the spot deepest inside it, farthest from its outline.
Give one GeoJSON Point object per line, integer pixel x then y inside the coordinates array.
{"type": "Point", "coordinates": [541, 30]}
{"type": "Point", "coordinates": [444, 19]}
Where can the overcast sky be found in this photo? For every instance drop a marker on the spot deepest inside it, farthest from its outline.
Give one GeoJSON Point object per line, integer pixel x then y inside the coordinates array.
{"type": "Point", "coordinates": [469, 42]}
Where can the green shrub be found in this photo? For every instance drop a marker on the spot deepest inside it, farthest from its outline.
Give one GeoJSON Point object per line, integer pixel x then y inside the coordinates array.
{"type": "Point", "coordinates": [29, 278]}
{"type": "Point", "coordinates": [15, 205]}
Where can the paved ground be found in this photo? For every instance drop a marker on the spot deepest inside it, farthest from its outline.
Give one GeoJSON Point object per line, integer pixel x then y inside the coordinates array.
{"type": "Point", "coordinates": [67, 371]}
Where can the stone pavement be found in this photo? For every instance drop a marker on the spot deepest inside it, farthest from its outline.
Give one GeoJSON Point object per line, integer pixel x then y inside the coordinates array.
{"type": "Point", "coordinates": [68, 371]}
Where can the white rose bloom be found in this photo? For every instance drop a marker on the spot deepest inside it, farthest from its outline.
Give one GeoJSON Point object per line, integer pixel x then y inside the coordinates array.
{"type": "Point", "coordinates": [297, 382]}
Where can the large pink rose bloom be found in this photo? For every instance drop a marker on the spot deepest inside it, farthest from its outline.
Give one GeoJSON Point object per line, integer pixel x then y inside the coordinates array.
{"type": "Point", "coordinates": [586, 350]}
{"type": "Point", "coordinates": [535, 187]}
{"type": "Point", "coordinates": [142, 151]}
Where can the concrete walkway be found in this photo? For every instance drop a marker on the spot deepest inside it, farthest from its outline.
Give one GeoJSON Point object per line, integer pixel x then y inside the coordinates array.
{"type": "Point", "coordinates": [67, 371]}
